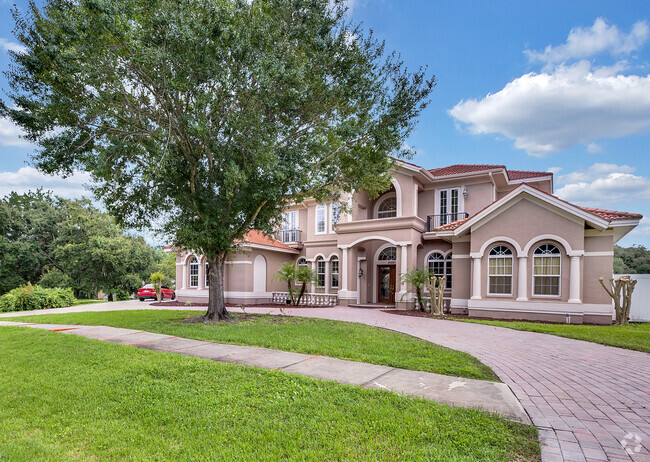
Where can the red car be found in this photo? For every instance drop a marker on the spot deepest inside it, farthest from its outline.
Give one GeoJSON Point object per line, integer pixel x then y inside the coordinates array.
{"type": "Point", "coordinates": [148, 292]}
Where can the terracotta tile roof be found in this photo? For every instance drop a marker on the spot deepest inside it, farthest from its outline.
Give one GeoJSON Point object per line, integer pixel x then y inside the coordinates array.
{"type": "Point", "coordinates": [611, 215]}
{"type": "Point", "coordinates": [451, 226]}
{"type": "Point", "coordinates": [257, 237]}
{"type": "Point", "coordinates": [168, 246]}
{"type": "Point", "coordinates": [458, 169]}
{"type": "Point", "coordinates": [523, 174]}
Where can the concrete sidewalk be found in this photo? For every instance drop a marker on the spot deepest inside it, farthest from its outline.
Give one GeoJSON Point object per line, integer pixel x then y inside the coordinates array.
{"type": "Point", "coordinates": [461, 392]}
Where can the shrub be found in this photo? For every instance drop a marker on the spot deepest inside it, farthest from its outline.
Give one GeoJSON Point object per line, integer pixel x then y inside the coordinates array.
{"type": "Point", "coordinates": [29, 297]}
{"type": "Point", "coordinates": [121, 295]}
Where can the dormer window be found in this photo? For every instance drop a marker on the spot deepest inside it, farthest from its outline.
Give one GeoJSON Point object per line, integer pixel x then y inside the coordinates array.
{"type": "Point", "coordinates": [387, 208]}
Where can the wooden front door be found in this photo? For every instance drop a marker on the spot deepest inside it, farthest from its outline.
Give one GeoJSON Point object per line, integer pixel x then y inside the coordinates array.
{"type": "Point", "coordinates": [386, 284]}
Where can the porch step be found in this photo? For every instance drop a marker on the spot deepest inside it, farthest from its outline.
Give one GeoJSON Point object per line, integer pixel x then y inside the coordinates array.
{"type": "Point", "coordinates": [373, 306]}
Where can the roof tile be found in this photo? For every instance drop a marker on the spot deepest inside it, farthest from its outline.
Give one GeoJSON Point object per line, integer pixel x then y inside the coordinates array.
{"type": "Point", "coordinates": [458, 169]}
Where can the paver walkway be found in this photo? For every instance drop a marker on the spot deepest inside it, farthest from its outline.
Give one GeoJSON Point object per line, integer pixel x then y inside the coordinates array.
{"type": "Point", "coordinates": [585, 398]}
{"type": "Point", "coordinates": [462, 392]}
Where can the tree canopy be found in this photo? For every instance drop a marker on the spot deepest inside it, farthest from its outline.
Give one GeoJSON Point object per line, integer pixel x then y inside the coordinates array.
{"type": "Point", "coordinates": [69, 243]}
{"type": "Point", "coordinates": [211, 116]}
{"type": "Point", "coordinates": [631, 260]}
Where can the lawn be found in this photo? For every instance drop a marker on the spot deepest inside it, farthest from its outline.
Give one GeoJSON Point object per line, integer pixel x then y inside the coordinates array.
{"type": "Point", "coordinates": [71, 398]}
{"type": "Point", "coordinates": [337, 339]}
{"type": "Point", "coordinates": [87, 301]}
{"type": "Point", "coordinates": [636, 336]}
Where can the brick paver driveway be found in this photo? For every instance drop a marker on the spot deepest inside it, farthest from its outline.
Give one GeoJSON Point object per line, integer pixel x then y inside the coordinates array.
{"type": "Point", "coordinates": [585, 398]}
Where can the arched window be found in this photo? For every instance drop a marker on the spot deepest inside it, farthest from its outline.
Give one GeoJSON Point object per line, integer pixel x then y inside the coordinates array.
{"type": "Point", "coordinates": [387, 208]}
{"type": "Point", "coordinates": [320, 271]}
{"type": "Point", "coordinates": [388, 254]}
{"type": "Point", "coordinates": [194, 272]}
{"type": "Point", "coordinates": [500, 271]}
{"type": "Point", "coordinates": [207, 274]}
{"type": "Point", "coordinates": [440, 266]}
{"type": "Point", "coordinates": [302, 262]}
{"type": "Point", "coordinates": [334, 262]}
{"type": "Point", "coordinates": [547, 261]}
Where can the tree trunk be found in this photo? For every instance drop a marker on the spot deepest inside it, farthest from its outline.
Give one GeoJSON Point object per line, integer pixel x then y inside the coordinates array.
{"type": "Point", "coordinates": [216, 302]}
{"type": "Point", "coordinates": [302, 292]}
{"type": "Point", "coordinates": [418, 295]}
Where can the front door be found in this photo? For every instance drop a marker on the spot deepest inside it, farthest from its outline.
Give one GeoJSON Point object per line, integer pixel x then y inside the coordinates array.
{"type": "Point", "coordinates": [386, 286]}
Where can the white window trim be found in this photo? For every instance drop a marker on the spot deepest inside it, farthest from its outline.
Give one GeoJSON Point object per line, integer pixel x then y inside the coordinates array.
{"type": "Point", "coordinates": [380, 200]}
{"type": "Point", "coordinates": [296, 221]}
{"type": "Point", "coordinates": [461, 200]}
{"type": "Point", "coordinates": [189, 272]}
{"type": "Point", "coordinates": [332, 273]}
{"type": "Point", "coordinates": [532, 271]}
{"type": "Point", "coordinates": [324, 209]}
{"type": "Point", "coordinates": [331, 214]}
{"type": "Point", "coordinates": [324, 273]}
{"type": "Point", "coordinates": [445, 259]}
{"type": "Point", "coordinates": [512, 272]}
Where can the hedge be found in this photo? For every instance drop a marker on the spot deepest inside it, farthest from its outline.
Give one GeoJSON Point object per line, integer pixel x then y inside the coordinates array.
{"type": "Point", "coordinates": [29, 297]}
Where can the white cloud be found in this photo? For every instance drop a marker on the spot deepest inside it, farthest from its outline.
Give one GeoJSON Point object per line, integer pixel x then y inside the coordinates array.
{"type": "Point", "coordinates": [10, 134]}
{"type": "Point", "coordinates": [643, 229]}
{"type": "Point", "coordinates": [13, 46]}
{"type": "Point", "coordinates": [554, 170]}
{"type": "Point", "coordinates": [591, 41]}
{"type": "Point", "coordinates": [28, 178]}
{"type": "Point", "coordinates": [550, 112]}
{"type": "Point", "coordinates": [594, 148]}
{"type": "Point", "coordinates": [603, 185]}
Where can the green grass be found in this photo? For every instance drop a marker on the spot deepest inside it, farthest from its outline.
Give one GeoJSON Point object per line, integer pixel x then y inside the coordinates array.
{"type": "Point", "coordinates": [636, 336]}
{"type": "Point", "coordinates": [337, 339]}
{"type": "Point", "coordinates": [85, 301]}
{"type": "Point", "coordinates": [71, 398]}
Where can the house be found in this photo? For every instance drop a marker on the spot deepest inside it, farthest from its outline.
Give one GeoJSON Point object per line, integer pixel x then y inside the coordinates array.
{"type": "Point", "coordinates": [508, 247]}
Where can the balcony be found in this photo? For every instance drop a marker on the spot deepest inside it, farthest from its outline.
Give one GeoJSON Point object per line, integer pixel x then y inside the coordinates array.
{"type": "Point", "coordinates": [434, 221]}
{"type": "Point", "coordinates": [290, 236]}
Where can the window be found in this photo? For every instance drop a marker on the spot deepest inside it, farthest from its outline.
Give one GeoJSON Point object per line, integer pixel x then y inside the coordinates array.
{"type": "Point", "coordinates": [500, 271]}
{"type": "Point", "coordinates": [320, 271]}
{"type": "Point", "coordinates": [440, 265]}
{"type": "Point", "coordinates": [335, 212]}
{"type": "Point", "coordinates": [290, 231]}
{"type": "Point", "coordinates": [291, 220]}
{"type": "Point", "coordinates": [388, 254]}
{"type": "Point", "coordinates": [207, 274]}
{"type": "Point", "coordinates": [194, 272]}
{"type": "Point", "coordinates": [320, 219]}
{"type": "Point", "coordinates": [448, 206]}
{"type": "Point", "coordinates": [546, 270]}
{"type": "Point", "coordinates": [387, 208]}
{"type": "Point", "coordinates": [302, 262]}
{"type": "Point", "coordinates": [335, 272]}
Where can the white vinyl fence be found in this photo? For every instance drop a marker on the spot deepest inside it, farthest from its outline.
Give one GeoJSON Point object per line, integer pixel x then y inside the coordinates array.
{"type": "Point", "coordinates": [640, 310]}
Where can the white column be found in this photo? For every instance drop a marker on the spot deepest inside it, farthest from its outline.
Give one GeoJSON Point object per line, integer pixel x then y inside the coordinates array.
{"type": "Point", "coordinates": [344, 271]}
{"type": "Point", "coordinates": [476, 279]}
{"type": "Point", "coordinates": [313, 284]}
{"type": "Point", "coordinates": [574, 281]}
{"type": "Point", "coordinates": [522, 283]}
{"type": "Point", "coordinates": [327, 276]}
{"type": "Point", "coordinates": [184, 282]}
{"type": "Point", "coordinates": [404, 267]}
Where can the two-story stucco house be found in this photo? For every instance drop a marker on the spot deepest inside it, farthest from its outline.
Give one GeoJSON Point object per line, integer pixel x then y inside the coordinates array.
{"type": "Point", "coordinates": [509, 248]}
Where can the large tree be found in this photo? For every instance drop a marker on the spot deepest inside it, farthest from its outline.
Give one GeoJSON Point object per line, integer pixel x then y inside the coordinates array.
{"type": "Point", "coordinates": [211, 116]}
{"type": "Point", "coordinates": [68, 243]}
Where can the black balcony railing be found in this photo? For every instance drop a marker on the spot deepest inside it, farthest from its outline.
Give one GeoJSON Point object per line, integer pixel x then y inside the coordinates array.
{"type": "Point", "coordinates": [434, 221]}
{"type": "Point", "coordinates": [290, 235]}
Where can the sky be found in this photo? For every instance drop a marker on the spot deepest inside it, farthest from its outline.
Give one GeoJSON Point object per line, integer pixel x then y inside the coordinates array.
{"type": "Point", "coordinates": [547, 86]}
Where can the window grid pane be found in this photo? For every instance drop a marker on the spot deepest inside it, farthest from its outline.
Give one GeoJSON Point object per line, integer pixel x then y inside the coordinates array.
{"type": "Point", "coordinates": [194, 272]}
{"type": "Point", "coordinates": [335, 272]}
{"type": "Point", "coordinates": [320, 272]}
{"type": "Point", "coordinates": [501, 285]}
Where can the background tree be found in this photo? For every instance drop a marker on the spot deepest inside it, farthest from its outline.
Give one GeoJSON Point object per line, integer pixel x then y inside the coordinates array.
{"type": "Point", "coordinates": [64, 243]}
{"type": "Point", "coordinates": [631, 260]}
{"type": "Point", "coordinates": [210, 116]}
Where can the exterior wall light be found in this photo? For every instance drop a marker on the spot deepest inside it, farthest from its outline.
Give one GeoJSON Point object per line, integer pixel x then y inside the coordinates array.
{"type": "Point", "coordinates": [465, 193]}
{"type": "Point", "coordinates": [360, 272]}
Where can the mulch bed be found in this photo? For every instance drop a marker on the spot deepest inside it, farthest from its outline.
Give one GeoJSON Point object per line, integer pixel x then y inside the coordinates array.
{"type": "Point", "coordinates": [422, 314]}
{"type": "Point", "coordinates": [232, 305]}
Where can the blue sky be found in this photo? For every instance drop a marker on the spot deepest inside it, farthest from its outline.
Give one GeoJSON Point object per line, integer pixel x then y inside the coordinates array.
{"type": "Point", "coordinates": [552, 86]}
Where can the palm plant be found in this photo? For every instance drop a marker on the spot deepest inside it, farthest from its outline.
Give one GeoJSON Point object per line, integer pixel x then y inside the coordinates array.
{"type": "Point", "coordinates": [292, 274]}
{"type": "Point", "coordinates": [418, 278]}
